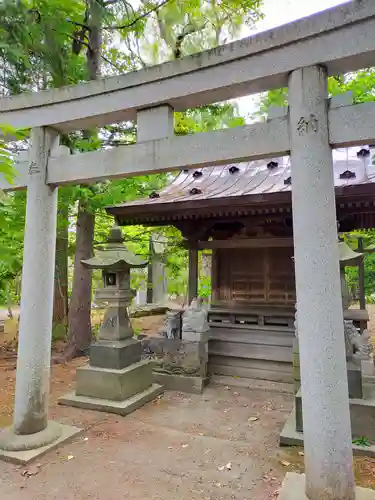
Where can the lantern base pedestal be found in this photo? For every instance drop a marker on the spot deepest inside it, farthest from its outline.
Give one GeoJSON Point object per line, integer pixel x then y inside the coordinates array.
{"type": "Point", "coordinates": [115, 354]}
{"type": "Point", "coordinates": [109, 406]}
{"type": "Point", "coordinates": [293, 488]}
{"type": "Point", "coordinates": [113, 391]}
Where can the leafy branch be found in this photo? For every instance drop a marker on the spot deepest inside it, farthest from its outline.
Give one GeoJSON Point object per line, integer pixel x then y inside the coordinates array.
{"type": "Point", "coordinates": [138, 18]}
{"type": "Point", "coordinates": [6, 157]}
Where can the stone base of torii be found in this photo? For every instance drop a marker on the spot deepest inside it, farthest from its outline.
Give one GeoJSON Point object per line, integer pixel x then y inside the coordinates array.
{"type": "Point", "coordinates": [294, 487]}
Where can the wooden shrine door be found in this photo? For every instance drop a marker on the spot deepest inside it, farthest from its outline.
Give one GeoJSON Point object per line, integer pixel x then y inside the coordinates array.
{"type": "Point", "coordinates": [263, 276]}
{"type": "Point", "coordinates": [252, 313]}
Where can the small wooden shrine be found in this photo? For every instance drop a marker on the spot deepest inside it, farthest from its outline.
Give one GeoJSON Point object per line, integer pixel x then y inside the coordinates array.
{"type": "Point", "coordinates": [243, 214]}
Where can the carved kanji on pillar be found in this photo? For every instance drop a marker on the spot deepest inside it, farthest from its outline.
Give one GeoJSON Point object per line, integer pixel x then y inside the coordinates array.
{"type": "Point", "coordinates": [307, 125]}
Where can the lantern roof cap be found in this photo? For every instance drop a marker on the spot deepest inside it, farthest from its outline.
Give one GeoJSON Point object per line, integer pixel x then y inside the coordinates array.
{"type": "Point", "coordinates": [114, 254]}
{"type": "Point", "coordinates": [348, 257]}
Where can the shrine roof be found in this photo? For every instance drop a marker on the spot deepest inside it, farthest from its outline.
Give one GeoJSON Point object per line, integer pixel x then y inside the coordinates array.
{"type": "Point", "coordinates": [224, 190]}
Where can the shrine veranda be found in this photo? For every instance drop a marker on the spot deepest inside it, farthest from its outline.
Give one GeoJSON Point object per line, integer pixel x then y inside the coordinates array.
{"type": "Point", "coordinates": [300, 55]}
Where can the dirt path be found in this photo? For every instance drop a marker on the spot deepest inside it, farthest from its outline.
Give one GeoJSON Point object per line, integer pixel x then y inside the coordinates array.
{"type": "Point", "coordinates": [222, 445]}
{"type": "Point", "coordinates": [179, 447]}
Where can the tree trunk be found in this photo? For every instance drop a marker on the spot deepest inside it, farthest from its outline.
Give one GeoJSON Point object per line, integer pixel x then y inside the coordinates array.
{"type": "Point", "coordinates": [79, 327]}
{"type": "Point", "coordinates": [79, 338]}
{"type": "Point", "coordinates": [93, 55]}
{"type": "Point", "coordinates": [60, 298]}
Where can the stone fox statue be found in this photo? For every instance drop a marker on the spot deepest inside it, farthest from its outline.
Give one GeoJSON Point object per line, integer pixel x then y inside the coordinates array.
{"type": "Point", "coordinates": [357, 346]}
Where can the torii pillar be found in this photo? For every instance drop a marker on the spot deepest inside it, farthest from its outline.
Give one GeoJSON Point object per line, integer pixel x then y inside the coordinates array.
{"type": "Point", "coordinates": [325, 400]}
{"type": "Point", "coordinates": [31, 433]}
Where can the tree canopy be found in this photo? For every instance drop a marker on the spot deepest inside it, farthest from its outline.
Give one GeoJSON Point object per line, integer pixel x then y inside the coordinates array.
{"type": "Point", "coordinates": [53, 43]}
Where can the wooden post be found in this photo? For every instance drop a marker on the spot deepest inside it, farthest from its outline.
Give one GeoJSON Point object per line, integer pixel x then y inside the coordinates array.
{"type": "Point", "coordinates": [149, 273]}
{"type": "Point", "coordinates": [214, 277]}
{"type": "Point", "coordinates": [361, 269]}
{"type": "Point", "coordinates": [193, 274]}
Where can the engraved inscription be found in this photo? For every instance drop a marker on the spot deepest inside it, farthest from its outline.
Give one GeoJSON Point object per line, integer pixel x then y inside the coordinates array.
{"type": "Point", "coordinates": [34, 168]}
{"type": "Point", "coordinates": [109, 322]}
{"type": "Point", "coordinates": [307, 125]}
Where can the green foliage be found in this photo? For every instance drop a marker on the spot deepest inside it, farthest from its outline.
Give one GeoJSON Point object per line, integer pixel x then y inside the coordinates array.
{"type": "Point", "coordinates": [361, 84]}
{"type": "Point", "coordinates": [207, 118]}
{"type": "Point", "coordinates": [188, 27]}
{"type": "Point", "coordinates": [368, 237]}
{"type": "Point", "coordinates": [44, 44]}
{"type": "Point", "coordinates": [12, 220]}
{"type": "Point", "coordinates": [273, 98]}
{"type": "Point", "coordinates": [58, 332]}
{"type": "Point", "coordinates": [204, 289]}
{"type": "Point", "coordinates": [362, 441]}
{"type": "Point", "coordinates": [7, 169]}
{"type": "Point", "coordinates": [12, 208]}
{"type": "Point", "coordinates": [36, 44]}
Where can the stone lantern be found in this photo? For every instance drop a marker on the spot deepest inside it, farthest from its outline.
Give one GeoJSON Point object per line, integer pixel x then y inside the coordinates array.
{"type": "Point", "coordinates": [115, 380]}
{"type": "Point", "coordinates": [347, 257]}
{"type": "Point", "coordinates": [115, 261]}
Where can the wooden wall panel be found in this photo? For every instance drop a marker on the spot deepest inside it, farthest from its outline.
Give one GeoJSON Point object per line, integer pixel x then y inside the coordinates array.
{"type": "Point", "coordinates": [281, 282]}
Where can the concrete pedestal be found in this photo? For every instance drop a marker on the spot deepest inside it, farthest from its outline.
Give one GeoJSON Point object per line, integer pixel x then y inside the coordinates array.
{"type": "Point", "coordinates": [362, 416]}
{"type": "Point", "coordinates": [354, 379]}
{"type": "Point", "coordinates": [293, 488]}
{"type": "Point", "coordinates": [355, 376]}
{"type": "Point", "coordinates": [181, 383]}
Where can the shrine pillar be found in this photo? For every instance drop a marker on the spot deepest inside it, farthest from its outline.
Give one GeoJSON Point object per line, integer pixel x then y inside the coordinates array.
{"type": "Point", "coordinates": [193, 273]}
{"type": "Point", "coordinates": [325, 400]}
{"type": "Point", "coordinates": [34, 351]}
{"type": "Point", "coordinates": [31, 432]}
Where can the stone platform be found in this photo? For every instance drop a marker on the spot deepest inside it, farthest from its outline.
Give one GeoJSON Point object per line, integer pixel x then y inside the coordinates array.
{"type": "Point", "coordinates": [293, 488]}
{"type": "Point", "coordinates": [362, 414]}
{"type": "Point", "coordinates": [180, 383]}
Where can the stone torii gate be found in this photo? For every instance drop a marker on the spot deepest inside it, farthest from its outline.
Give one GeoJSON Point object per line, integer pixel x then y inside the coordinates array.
{"type": "Point", "coordinates": [300, 55]}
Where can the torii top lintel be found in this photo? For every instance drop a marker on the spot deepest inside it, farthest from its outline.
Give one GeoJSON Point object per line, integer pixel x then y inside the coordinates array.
{"type": "Point", "coordinates": [254, 64]}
